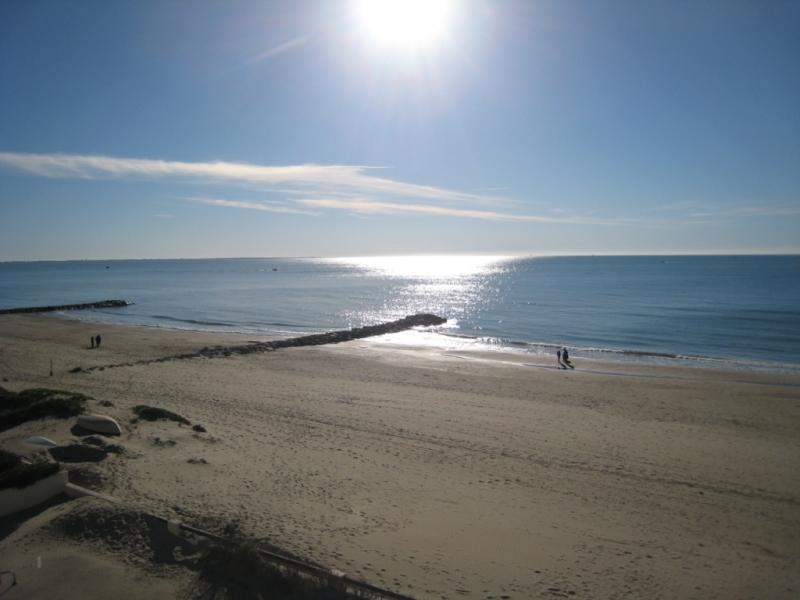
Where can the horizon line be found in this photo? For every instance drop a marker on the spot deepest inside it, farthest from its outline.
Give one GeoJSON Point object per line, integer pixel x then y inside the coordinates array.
{"type": "Point", "coordinates": [512, 255]}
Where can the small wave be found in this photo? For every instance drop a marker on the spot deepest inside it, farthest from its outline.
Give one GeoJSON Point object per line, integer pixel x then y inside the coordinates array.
{"type": "Point", "coordinates": [461, 336]}
{"type": "Point", "coordinates": [279, 324]}
{"type": "Point", "coordinates": [642, 353]}
{"type": "Point", "coordinates": [495, 343]}
{"type": "Point", "coordinates": [192, 321]}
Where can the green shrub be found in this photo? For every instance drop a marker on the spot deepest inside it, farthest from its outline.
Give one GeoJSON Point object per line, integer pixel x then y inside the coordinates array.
{"type": "Point", "coordinates": [240, 571]}
{"type": "Point", "coordinates": [37, 403]}
{"type": "Point", "coordinates": [151, 413]}
{"type": "Point", "coordinates": [22, 475]}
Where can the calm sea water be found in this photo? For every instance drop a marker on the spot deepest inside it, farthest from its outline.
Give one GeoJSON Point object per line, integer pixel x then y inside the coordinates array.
{"type": "Point", "coordinates": [738, 311]}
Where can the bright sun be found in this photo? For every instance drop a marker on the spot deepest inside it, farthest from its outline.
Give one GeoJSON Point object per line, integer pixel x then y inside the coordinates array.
{"type": "Point", "coordinates": [403, 23]}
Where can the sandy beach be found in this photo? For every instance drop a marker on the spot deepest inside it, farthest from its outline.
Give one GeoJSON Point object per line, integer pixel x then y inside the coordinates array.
{"type": "Point", "coordinates": [431, 473]}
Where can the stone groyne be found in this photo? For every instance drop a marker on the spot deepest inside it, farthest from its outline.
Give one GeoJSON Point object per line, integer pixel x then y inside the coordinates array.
{"type": "Point", "coordinates": [38, 309]}
{"type": "Point", "coordinates": [332, 337]}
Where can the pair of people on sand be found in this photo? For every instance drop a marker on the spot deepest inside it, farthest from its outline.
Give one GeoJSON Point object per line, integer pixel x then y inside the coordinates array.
{"type": "Point", "coordinates": [563, 359]}
{"type": "Point", "coordinates": [95, 341]}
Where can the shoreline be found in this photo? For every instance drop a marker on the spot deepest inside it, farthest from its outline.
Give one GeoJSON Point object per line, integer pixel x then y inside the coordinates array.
{"type": "Point", "coordinates": [659, 310]}
{"type": "Point", "coordinates": [434, 475]}
{"type": "Point", "coordinates": [190, 341]}
{"type": "Point", "coordinates": [445, 343]}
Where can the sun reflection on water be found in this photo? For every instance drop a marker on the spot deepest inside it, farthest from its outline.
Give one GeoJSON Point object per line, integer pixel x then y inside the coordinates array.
{"type": "Point", "coordinates": [454, 287]}
{"type": "Point", "coordinates": [425, 266]}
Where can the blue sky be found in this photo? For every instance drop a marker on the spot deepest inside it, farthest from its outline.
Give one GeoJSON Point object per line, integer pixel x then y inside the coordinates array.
{"type": "Point", "coordinates": [202, 129]}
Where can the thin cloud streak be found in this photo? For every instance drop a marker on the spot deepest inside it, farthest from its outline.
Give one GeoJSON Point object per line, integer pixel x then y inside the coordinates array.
{"type": "Point", "coordinates": [764, 211]}
{"type": "Point", "coordinates": [324, 177]}
{"type": "Point", "coordinates": [281, 48]}
{"type": "Point", "coordinates": [248, 204]}
{"type": "Point", "coordinates": [348, 188]}
{"type": "Point", "coordinates": [718, 210]}
{"type": "Point", "coordinates": [365, 207]}
{"type": "Point", "coordinates": [370, 207]}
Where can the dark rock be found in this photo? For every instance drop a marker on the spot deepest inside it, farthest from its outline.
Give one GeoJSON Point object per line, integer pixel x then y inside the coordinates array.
{"type": "Point", "coordinates": [199, 428]}
{"type": "Point", "coordinates": [77, 453]}
{"type": "Point", "coordinates": [95, 440]}
{"type": "Point", "coordinates": [197, 461]}
{"type": "Point", "coordinates": [106, 403]}
{"type": "Point", "coordinates": [157, 441]}
{"type": "Point", "coordinates": [86, 476]}
{"type": "Point", "coordinates": [104, 444]}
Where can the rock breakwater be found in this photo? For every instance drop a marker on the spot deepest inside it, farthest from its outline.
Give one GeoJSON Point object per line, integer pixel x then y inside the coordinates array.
{"type": "Point", "coordinates": [85, 306]}
{"type": "Point", "coordinates": [332, 337]}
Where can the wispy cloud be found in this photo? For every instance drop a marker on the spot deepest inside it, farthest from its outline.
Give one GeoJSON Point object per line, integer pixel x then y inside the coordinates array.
{"type": "Point", "coordinates": [319, 177]}
{"type": "Point", "coordinates": [363, 207]}
{"type": "Point", "coordinates": [163, 216]}
{"type": "Point", "coordinates": [311, 189]}
{"type": "Point", "coordinates": [371, 207]}
{"type": "Point", "coordinates": [281, 48]}
{"type": "Point", "coordinates": [252, 205]}
{"type": "Point", "coordinates": [764, 211]}
{"type": "Point", "coordinates": [695, 209]}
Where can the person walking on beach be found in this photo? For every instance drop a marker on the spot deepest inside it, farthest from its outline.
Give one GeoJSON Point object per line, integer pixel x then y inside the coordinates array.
{"type": "Point", "coordinates": [97, 340]}
{"type": "Point", "coordinates": [91, 341]}
{"type": "Point", "coordinates": [565, 358]}
{"type": "Point", "coordinates": [558, 357]}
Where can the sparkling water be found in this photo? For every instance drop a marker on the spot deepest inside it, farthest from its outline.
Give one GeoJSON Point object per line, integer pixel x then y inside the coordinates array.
{"type": "Point", "coordinates": [739, 311]}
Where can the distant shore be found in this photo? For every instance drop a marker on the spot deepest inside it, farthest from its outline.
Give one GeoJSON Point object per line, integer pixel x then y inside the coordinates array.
{"type": "Point", "coordinates": [442, 473]}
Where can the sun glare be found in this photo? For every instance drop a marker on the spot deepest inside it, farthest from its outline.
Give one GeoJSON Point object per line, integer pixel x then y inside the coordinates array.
{"type": "Point", "coordinates": [425, 266]}
{"type": "Point", "coordinates": [403, 23]}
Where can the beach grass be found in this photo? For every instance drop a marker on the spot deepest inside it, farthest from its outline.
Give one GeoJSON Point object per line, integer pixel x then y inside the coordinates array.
{"type": "Point", "coordinates": [38, 403]}
{"type": "Point", "coordinates": [17, 474]}
{"type": "Point", "coordinates": [153, 413]}
{"type": "Point", "coordinates": [240, 571]}
{"type": "Point", "coordinates": [233, 568]}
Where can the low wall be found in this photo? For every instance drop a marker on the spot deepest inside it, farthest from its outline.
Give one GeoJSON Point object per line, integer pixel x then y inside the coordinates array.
{"type": "Point", "coordinates": [16, 499]}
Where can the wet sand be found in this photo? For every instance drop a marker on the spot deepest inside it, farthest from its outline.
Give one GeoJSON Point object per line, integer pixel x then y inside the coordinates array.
{"type": "Point", "coordinates": [440, 474]}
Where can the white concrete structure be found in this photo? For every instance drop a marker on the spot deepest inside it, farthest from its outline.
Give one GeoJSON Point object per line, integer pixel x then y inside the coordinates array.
{"type": "Point", "coordinates": [16, 499]}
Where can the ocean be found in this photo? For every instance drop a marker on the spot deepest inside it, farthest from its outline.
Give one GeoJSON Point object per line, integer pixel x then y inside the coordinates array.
{"type": "Point", "coordinates": [740, 312]}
